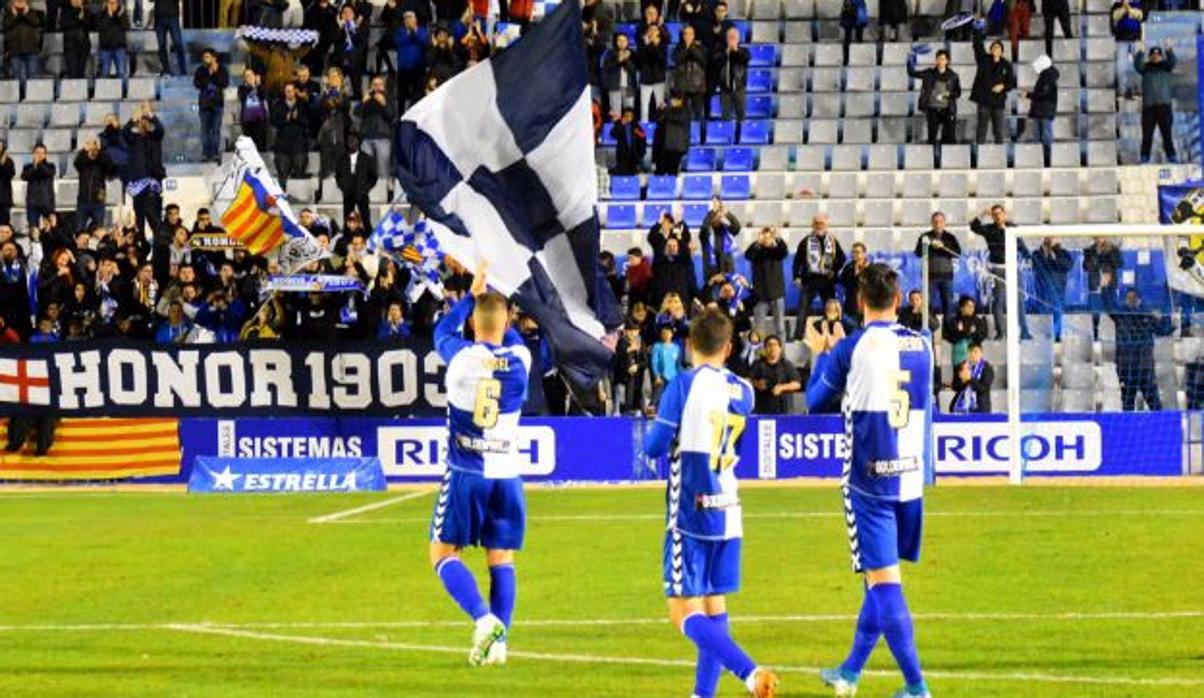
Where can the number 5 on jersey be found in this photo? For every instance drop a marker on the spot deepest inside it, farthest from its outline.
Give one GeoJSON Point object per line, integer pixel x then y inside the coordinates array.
{"type": "Point", "coordinates": [900, 400]}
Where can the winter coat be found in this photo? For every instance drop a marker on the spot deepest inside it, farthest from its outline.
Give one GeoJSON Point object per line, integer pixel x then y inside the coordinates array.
{"type": "Point", "coordinates": [23, 32]}
{"type": "Point", "coordinates": [768, 270]}
{"type": "Point", "coordinates": [111, 29]}
{"type": "Point", "coordinates": [210, 87]}
{"type": "Point", "coordinates": [376, 119]}
{"type": "Point", "coordinates": [93, 173]}
{"type": "Point", "coordinates": [39, 192]}
{"type": "Point", "coordinates": [653, 63]}
{"type": "Point", "coordinates": [1156, 78]}
{"type": "Point", "coordinates": [1043, 100]}
{"type": "Point", "coordinates": [930, 79]}
{"type": "Point", "coordinates": [731, 69]}
{"type": "Point", "coordinates": [7, 171]}
{"type": "Point", "coordinates": [612, 67]}
{"type": "Point", "coordinates": [145, 152]}
{"type": "Point", "coordinates": [991, 73]}
{"type": "Point", "coordinates": [292, 134]}
{"type": "Point", "coordinates": [690, 73]}
{"type": "Point", "coordinates": [673, 129]}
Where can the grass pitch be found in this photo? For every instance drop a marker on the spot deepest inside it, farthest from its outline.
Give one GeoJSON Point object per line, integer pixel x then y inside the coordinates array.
{"type": "Point", "coordinates": [1035, 591]}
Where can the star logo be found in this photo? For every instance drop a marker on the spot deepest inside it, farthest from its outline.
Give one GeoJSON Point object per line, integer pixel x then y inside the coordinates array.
{"type": "Point", "coordinates": [224, 480]}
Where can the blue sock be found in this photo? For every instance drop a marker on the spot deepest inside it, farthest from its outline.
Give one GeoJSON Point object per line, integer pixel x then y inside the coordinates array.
{"type": "Point", "coordinates": [461, 586]}
{"type": "Point", "coordinates": [865, 638]}
{"type": "Point", "coordinates": [895, 621]}
{"type": "Point", "coordinates": [713, 638]}
{"type": "Point", "coordinates": [708, 671]}
{"type": "Point", "coordinates": [503, 588]}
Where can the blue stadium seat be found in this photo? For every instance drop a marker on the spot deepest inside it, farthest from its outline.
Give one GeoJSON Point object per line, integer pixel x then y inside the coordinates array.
{"type": "Point", "coordinates": [662, 187]}
{"type": "Point", "coordinates": [654, 211]}
{"type": "Point", "coordinates": [745, 30]}
{"type": "Point", "coordinates": [674, 29]}
{"type": "Point", "coordinates": [762, 55]}
{"type": "Point", "coordinates": [737, 160]}
{"type": "Point", "coordinates": [754, 133]}
{"type": "Point", "coordinates": [759, 107]}
{"type": "Point", "coordinates": [696, 187]}
{"type": "Point", "coordinates": [625, 188]}
{"type": "Point", "coordinates": [760, 81]}
{"type": "Point", "coordinates": [607, 137]}
{"type": "Point", "coordinates": [620, 216]}
{"type": "Point", "coordinates": [720, 132]}
{"type": "Point", "coordinates": [695, 133]}
{"type": "Point", "coordinates": [627, 28]}
{"type": "Point", "coordinates": [700, 160]}
{"type": "Point", "coordinates": [735, 187]}
{"type": "Point", "coordinates": [694, 214]}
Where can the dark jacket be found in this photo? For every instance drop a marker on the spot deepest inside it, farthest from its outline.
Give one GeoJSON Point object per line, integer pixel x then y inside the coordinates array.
{"type": "Point", "coordinates": [443, 62]}
{"type": "Point", "coordinates": [673, 275]}
{"type": "Point", "coordinates": [611, 67]}
{"type": "Point", "coordinates": [252, 105]}
{"type": "Point", "coordinates": [39, 192]}
{"type": "Point", "coordinates": [715, 258]}
{"type": "Point", "coordinates": [731, 69]}
{"type": "Point", "coordinates": [292, 128]}
{"type": "Point", "coordinates": [852, 12]}
{"type": "Point", "coordinates": [1096, 261]}
{"type": "Point", "coordinates": [210, 87]}
{"type": "Point", "coordinates": [940, 260]}
{"type": "Point", "coordinates": [75, 26]}
{"type": "Point", "coordinates": [357, 183]}
{"type": "Point", "coordinates": [653, 62]}
{"type": "Point", "coordinates": [959, 328]}
{"type": "Point", "coordinates": [781, 373]}
{"type": "Point", "coordinates": [23, 32]}
{"type": "Point", "coordinates": [630, 144]}
{"type": "Point", "coordinates": [376, 119]}
{"type": "Point", "coordinates": [768, 270]}
{"type": "Point", "coordinates": [111, 29]}
{"type": "Point", "coordinates": [167, 9]}
{"type": "Point", "coordinates": [93, 173]}
{"type": "Point", "coordinates": [690, 71]}
{"type": "Point", "coordinates": [803, 269]}
{"type": "Point", "coordinates": [8, 170]}
{"type": "Point", "coordinates": [113, 143]}
{"type": "Point", "coordinates": [1050, 268]}
{"type": "Point", "coordinates": [1135, 332]}
{"type": "Point", "coordinates": [673, 129]}
{"type": "Point", "coordinates": [1156, 85]}
{"type": "Point", "coordinates": [991, 73]}
{"type": "Point", "coordinates": [850, 281]}
{"type": "Point", "coordinates": [146, 152]}
{"type": "Point", "coordinates": [1043, 100]}
{"type": "Point", "coordinates": [981, 388]}
{"type": "Point", "coordinates": [930, 80]}
{"type": "Point", "coordinates": [994, 236]}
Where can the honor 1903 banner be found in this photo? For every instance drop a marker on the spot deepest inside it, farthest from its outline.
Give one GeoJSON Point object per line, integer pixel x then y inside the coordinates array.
{"type": "Point", "coordinates": [145, 380]}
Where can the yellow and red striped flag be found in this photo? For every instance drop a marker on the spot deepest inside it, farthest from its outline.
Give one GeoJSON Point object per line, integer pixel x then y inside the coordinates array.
{"type": "Point", "coordinates": [253, 218]}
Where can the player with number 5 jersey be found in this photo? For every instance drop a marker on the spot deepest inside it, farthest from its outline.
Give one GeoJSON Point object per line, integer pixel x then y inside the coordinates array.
{"type": "Point", "coordinates": [884, 374]}
{"type": "Point", "coordinates": [480, 501]}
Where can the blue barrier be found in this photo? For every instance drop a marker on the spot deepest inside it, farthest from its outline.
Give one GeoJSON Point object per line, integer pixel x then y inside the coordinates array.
{"type": "Point", "coordinates": [220, 474]}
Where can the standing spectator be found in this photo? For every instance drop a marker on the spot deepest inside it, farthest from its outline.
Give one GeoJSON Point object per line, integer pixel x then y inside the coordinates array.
{"type": "Point", "coordinates": [1156, 98]}
{"type": "Point", "coordinates": [965, 329]}
{"type": "Point", "coordinates": [14, 285]}
{"type": "Point", "coordinates": [941, 248]}
{"type": "Point", "coordinates": [766, 256]}
{"type": "Point", "coordinates": [630, 144]}
{"type": "Point", "coordinates": [410, 42]}
{"type": "Point", "coordinates": [972, 384]}
{"type": "Point", "coordinates": [441, 58]}
{"type": "Point", "coordinates": [377, 118]}
{"type": "Point", "coordinates": [715, 32]}
{"type": "Point", "coordinates": [309, 91]}
{"type": "Point", "coordinates": [167, 22]}
{"type": "Point", "coordinates": [7, 171]}
{"type": "Point", "coordinates": [817, 261]}
{"type": "Point", "coordinates": [1127, 16]}
{"type": "Point", "coordinates": [1019, 19]}
{"type": "Point", "coordinates": [939, 91]}
{"type": "Point", "coordinates": [666, 361]}
{"type": "Point", "coordinates": [145, 174]}
{"type": "Point", "coordinates": [690, 75]}
{"type": "Point", "coordinates": [1051, 265]}
{"type": "Point", "coordinates": [850, 280]}
{"type": "Point", "coordinates": [39, 189]}
{"type": "Point", "coordinates": [1058, 10]}
{"type": "Point", "coordinates": [599, 16]}
{"type": "Point", "coordinates": [253, 109]}
{"type": "Point", "coordinates": [113, 143]}
{"type": "Point", "coordinates": [1043, 103]}
{"type": "Point", "coordinates": [1102, 262]}
{"type": "Point", "coordinates": [731, 70]}
{"type": "Point", "coordinates": [912, 315]}
{"type": "Point", "coordinates": [672, 137]}
{"type": "Point", "coordinates": [393, 17]}
{"type": "Point", "coordinates": [994, 235]}
{"type": "Point", "coordinates": [291, 143]}
{"type": "Point", "coordinates": [93, 168]}
{"type": "Point", "coordinates": [618, 76]}
{"type": "Point", "coordinates": [75, 24]}
{"type": "Point", "coordinates": [854, 17]}
{"type": "Point", "coordinates": [211, 80]}
{"type": "Point", "coordinates": [652, 61]}
{"type": "Point", "coordinates": [774, 379]}
{"type": "Point", "coordinates": [718, 237]}
{"type": "Point", "coordinates": [23, 40]}
{"type": "Point", "coordinates": [631, 364]}
{"type": "Point", "coordinates": [892, 14]}
{"type": "Point", "coordinates": [474, 46]}
{"type": "Point", "coordinates": [992, 83]}
{"type": "Point", "coordinates": [334, 114]}
{"type": "Point", "coordinates": [673, 273]}
{"type": "Point", "coordinates": [637, 276]}
{"type": "Point", "coordinates": [111, 26]}
{"type": "Point", "coordinates": [323, 17]}
{"type": "Point", "coordinates": [350, 51]}
{"type": "Point", "coordinates": [356, 176]}
{"type": "Point", "coordinates": [1136, 327]}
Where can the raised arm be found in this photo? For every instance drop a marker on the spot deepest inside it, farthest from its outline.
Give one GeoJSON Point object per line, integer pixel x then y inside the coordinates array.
{"type": "Point", "coordinates": [449, 337]}
{"type": "Point", "coordinates": [828, 375]}
{"type": "Point", "coordinates": [658, 440]}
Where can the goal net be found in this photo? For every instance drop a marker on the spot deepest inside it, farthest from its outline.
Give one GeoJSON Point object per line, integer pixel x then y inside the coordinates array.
{"type": "Point", "coordinates": [1102, 320]}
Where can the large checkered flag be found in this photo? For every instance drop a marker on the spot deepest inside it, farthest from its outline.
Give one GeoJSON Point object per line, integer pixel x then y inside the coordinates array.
{"type": "Point", "coordinates": [501, 161]}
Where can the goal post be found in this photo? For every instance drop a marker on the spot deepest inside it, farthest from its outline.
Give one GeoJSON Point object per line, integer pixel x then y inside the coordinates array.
{"type": "Point", "coordinates": [1159, 251]}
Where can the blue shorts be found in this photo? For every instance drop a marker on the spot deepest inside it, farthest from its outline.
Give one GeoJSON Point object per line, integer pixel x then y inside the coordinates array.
{"type": "Point", "coordinates": [695, 567]}
{"type": "Point", "coordinates": [475, 511]}
{"type": "Point", "coordinates": [882, 531]}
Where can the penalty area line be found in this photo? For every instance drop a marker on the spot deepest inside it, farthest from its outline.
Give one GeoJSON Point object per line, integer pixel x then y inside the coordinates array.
{"type": "Point", "coordinates": [339, 515]}
{"type": "Point", "coordinates": [1037, 677]}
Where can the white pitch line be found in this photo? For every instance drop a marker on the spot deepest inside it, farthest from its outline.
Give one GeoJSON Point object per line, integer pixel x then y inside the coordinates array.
{"type": "Point", "coordinates": [338, 515]}
{"type": "Point", "coordinates": [818, 515]}
{"type": "Point", "coordinates": [648, 661]}
{"type": "Point", "coordinates": [594, 622]}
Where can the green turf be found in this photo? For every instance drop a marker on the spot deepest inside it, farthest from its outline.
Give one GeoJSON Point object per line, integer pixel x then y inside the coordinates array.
{"type": "Point", "coordinates": [252, 561]}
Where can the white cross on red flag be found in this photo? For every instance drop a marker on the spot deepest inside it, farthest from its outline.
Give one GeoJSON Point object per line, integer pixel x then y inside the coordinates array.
{"type": "Point", "coordinates": [24, 381]}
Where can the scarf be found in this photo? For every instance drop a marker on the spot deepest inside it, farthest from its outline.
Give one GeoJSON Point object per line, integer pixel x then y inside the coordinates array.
{"type": "Point", "coordinates": [349, 36]}
{"type": "Point", "coordinates": [820, 253]}
{"type": "Point", "coordinates": [967, 399]}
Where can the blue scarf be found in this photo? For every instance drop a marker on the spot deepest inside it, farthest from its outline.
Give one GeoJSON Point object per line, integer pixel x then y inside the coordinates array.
{"type": "Point", "coordinates": [967, 399]}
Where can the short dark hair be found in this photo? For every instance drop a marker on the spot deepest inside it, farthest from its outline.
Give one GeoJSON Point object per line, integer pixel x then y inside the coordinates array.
{"type": "Point", "coordinates": [631, 324]}
{"type": "Point", "coordinates": [974, 345]}
{"type": "Point", "coordinates": [878, 285]}
{"type": "Point", "coordinates": [961, 302]}
{"type": "Point", "coordinates": [942, 52]}
{"type": "Point", "coordinates": [635, 252]}
{"type": "Point", "coordinates": [710, 332]}
{"type": "Point", "coordinates": [202, 211]}
{"type": "Point", "coordinates": [773, 338]}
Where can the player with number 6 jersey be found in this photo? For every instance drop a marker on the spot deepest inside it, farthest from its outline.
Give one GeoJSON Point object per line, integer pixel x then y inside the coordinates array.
{"type": "Point", "coordinates": [480, 501]}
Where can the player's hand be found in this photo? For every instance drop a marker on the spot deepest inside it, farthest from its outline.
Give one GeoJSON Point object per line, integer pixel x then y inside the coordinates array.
{"type": "Point", "coordinates": [479, 284]}
{"type": "Point", "coordinates": [814, 340]}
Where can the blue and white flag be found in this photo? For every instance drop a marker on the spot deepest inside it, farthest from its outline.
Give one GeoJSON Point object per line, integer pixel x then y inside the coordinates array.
{"type": "Point", "coordinates": [414, 246]}
{"type": "Point", "coordinates": [501, 161]}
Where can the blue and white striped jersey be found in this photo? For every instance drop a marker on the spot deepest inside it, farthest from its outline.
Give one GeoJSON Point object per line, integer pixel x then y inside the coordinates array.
{"type": "Point", "coordinates": [885, 374]}
{"type": "Point", "coordinates": [706, 409]}
{"type": "Point", "coordinates": [486, 387]}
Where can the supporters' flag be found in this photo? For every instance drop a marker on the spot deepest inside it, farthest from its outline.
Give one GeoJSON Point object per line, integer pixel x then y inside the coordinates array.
{"type": "Point", "coordinates": [501, 161]}
{"type": "Point", "coordinates": [254, 218]}
{"type": "Point", "coordinates": [99, 449]}
{"type": "Point", "coordinates": [415, 246]}
{"type": "Point", "coordinates": [24, 381]}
